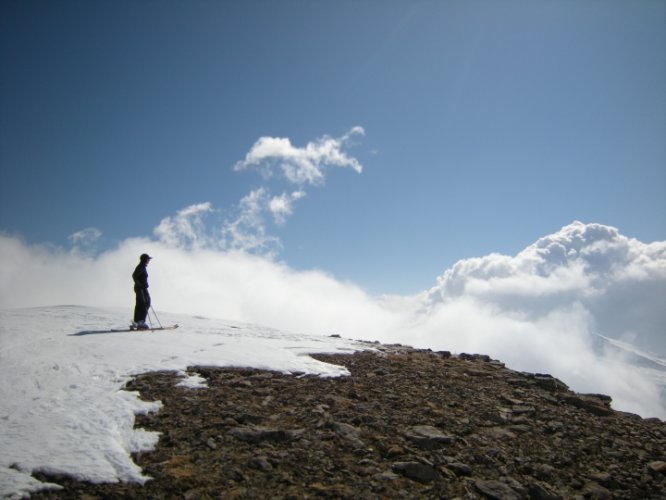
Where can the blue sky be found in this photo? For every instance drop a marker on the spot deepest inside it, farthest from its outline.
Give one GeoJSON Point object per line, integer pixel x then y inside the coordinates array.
{"type": "Point", "coordinates": [486, 124]}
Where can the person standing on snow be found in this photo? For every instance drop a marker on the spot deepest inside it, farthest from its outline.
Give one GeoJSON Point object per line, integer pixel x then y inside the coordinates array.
{"type": "Point", "coordinates": [140, 277]}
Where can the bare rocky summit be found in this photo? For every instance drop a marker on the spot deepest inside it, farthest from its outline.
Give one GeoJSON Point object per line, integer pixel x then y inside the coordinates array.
{"type": "Point", "coordinates": [406, 424]}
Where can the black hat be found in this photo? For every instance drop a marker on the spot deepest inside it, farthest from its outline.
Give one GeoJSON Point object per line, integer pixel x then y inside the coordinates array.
{"type": "Point", "coordinates": [145, 257]}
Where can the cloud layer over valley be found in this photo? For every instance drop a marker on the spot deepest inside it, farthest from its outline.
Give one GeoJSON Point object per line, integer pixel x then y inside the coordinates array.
{"type": "Point", "coordinates": [541, 310]}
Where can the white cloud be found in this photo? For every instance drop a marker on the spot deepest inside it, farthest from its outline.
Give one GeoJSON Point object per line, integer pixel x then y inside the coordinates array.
{"type": "Point", "coordinates": [186, 229]}
{"type": "Point", "coordinates": [304, 165]}
{"type": "Point", "coordinates": [282, 206]}
{"type": "Point", "coordinates": [85, 236]}
{"type": "Point", "coordinates": [540, 310]}
{"type": "Point", "coordinates": [84, 241]}
{"type": "Point", "coordinates": [246, 231]}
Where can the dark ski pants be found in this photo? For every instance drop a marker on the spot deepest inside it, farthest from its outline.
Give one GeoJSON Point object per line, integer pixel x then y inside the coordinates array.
{"type": "Point", "coordinates": [142, 305]}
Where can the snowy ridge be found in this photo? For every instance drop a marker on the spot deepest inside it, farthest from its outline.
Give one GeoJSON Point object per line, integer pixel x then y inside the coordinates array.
{"type": "Point", "coordinates": [61, 407]}
{"type": "Point", "coordinates": [653, 366]}
{"type": "Point", "coordinates": [640, 356]}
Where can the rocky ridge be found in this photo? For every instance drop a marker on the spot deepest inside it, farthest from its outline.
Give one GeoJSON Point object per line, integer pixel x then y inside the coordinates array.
{"type": "Point", "coordinates": [407, 423]}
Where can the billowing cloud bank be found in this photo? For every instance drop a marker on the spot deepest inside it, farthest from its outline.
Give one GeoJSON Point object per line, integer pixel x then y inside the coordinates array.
{"type": "Point", "coordinates": [541, 310]}
{"type": "Point", "coordinates": [614, 285]}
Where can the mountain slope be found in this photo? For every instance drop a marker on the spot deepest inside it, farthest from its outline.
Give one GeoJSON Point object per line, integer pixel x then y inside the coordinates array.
{"type": "Point", "coordinates": [405, 424]}
{"type": "Point", "coordinates": [61, 410]}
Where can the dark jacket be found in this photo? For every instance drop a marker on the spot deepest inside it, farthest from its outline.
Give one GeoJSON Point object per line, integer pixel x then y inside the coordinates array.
{"type": "Point", "coordinates": [140, 277]}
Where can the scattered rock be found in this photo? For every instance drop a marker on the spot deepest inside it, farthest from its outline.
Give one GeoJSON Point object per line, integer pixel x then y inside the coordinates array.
{"type": "Point", "coordinates": [428, 437]}
{"type": "Point", "coordinates": [257, 434]}
{"type": "Point", "coordinates": [521, 410]}
{"type": "Point", "coordinates": [349, 433]}
{"type": "Point", "coordinates": [592, 403]}
{"type": "Point", "coordinates": [510, 400]}
{"type": "Point", "coordinates": [474, 357]}
{"type": "Point", "coordinates": [657, 466]}
{"type": "Point", "coordinates": [496, 490]}
{"type": "Point", "coordinates": [603, 478]}
{"type": "Point", "coordinates": [545, 471]}
{"type": "Point", "coordinates": [460, 469]}
{"type": "Point", "coordinates": [417, 471]}
{"type": "Point", "coordinates": [260, 463]}
{"type": "Point", "coordinates": [538, 491]}
{"type": "Point", "coordinates": [596, 491]}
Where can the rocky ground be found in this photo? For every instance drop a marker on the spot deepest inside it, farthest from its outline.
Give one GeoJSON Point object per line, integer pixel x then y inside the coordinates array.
{"type": "Point", "coordinates": [405, 424]}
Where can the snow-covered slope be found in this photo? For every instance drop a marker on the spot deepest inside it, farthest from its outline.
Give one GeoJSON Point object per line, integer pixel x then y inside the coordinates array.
{"type": "Point", "coordinates": [61, 407]}
{"type": "Point", "coordinates": [653, 366]}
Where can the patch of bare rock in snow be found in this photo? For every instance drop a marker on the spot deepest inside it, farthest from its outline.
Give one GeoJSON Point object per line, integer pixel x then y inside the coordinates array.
{"type": "Point", "coordinates": [406, 424]}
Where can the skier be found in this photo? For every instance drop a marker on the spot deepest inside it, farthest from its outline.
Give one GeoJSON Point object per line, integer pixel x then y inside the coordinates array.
{"type": "Point", "coordinates": [140, 277]}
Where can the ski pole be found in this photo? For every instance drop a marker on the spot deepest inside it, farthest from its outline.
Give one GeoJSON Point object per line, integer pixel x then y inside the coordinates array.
{"type": "Point", "coordinates": [156, 318]}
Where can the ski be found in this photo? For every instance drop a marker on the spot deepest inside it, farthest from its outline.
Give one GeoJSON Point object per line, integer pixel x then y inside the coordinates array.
{"type": "Point", "coordinates": [126, 330]}
{"type": "Point", "coordinates": [151, 329]}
